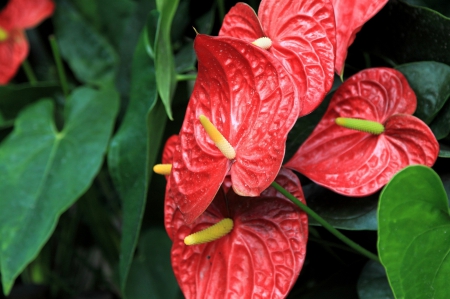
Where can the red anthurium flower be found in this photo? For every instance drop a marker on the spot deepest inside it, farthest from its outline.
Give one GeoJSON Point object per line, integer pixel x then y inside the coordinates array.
{"type": "Point", "coordinates": [357, 163]}
{"type": "Point", "coordinates": [303, 38]}
{"type": "Point", "coordinates": [260, 258]}
{"type": "Point", "coordinates": [17, 16]}
{"type": "Point", "coordinates": [350, 17]}
{"type": "Point", "coordinates": [247, 95]}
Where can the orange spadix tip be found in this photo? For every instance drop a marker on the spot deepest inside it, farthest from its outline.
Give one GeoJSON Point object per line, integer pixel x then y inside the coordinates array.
{"type": "Point", "coordinates": [163, 169]}
{"type": "Point", "coordinates": [222, 144]}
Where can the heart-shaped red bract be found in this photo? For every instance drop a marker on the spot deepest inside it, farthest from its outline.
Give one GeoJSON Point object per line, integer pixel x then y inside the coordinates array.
{"type": "Point", "coordinates": [249, 97]}
{"type": "Point", "coordinates": [350, 16]}
{"type": "Point", "coordinates": [303, 38]}
{"type": "Point", "coordinates": [169, 205]}
{"type": "Point", "coordinates": [17, 16]}
{"type": "Point", "coordinates": [355, 163]}
{"type": "Point", "coordinates": [260, 258]}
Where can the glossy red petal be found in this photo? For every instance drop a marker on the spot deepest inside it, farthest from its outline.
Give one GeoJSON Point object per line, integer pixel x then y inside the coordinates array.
{"type": "Point", "coordinates": [169, 148]}
{"type": "Point", "coordinates": [241, 22]}
{"type": "Point", "coordinates": [169, 204]}
{"type": "Point", "coordinates": [13, 52]}
{"type": "Point", "coordinates": [248, 96]}
{"type": "Point", "coordinates": [260, 258]}
{"type": "Point", "coordinates": [355, 163]}
{"type": "Point", "coordinates": [303, 37]}
{"type": "Point", "coordinates": [350, 16]}
{"type": "Point", "coordinates": [23, 14]}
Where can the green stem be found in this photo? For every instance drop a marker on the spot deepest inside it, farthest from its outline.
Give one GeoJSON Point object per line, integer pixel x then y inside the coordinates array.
{"type": "Point", "coordinates": [29, 72]}
{"type": "Point", "coordinates": [186, 77]}
{"type": "Point", "coordinates": [59, 66]}
{"type": "Point", "coordinates": [325, 224]}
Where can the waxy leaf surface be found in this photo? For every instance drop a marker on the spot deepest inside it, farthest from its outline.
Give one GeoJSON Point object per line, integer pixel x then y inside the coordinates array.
{"type": "Point", "coordinates": [90, 56]}
{"type": "Point", "coordinates": [356, 163]}
{"type": "Point", "coordinates": [151, 271]}
{"type": "Point", "coordinates": [43, 171]}
{"type": "Point", "coordinates": [260, 258]}
{"type": "Point", "coordinates": [350, 17]}
{"type": "Point", "coordinates": [414, 234]}
{"type": "Point", "coordinates": [303, 39]}
{"type": "Point", "coordinates": [340, 211]}
{"type": "Point", "coordinates": [373, 282]}
{"type": "Point", "coordinates": [430, 81]}
{"type": "Point", "coordinates": [134, 149]}
{"type": "Point", "coordinates": [246, 93]}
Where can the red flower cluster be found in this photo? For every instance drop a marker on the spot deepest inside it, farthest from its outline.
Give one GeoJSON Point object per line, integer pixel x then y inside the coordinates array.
{"type": "Point", "coordinates": [17, 16]}
{"type": "Point", "coordinates": [254, 80]}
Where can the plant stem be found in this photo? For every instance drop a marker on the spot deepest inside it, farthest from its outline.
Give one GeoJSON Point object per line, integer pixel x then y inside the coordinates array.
{"type": "Point", "coordinates": [325, 224]}
{"type": "Point", "coordinates": [29, 72]}
{"type": "Point", "coordinates": [187, 77]}
{"type": "Point", "coordinates": [59, 66]}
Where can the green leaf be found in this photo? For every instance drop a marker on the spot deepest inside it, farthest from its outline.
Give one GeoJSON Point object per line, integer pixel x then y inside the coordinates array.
{"type": "Point", "coordinates": [164, 60]}
{"type": "Point", "coordinates": [431, 83]}
{"type": "Point", "coordinates": [205, 23]}
{"type": "Point", "coordinates": [43, 171]}
{"type": "Point", "coordinates": [133, 151]}
{"type": "Point", "coordinates": [373, 283]}
{"type": "Point", "coordinates": [404, 33]}
{"type": "Point", "coordinates": [444, 151]}
{"type": "Point", "coordinates": [441, 125]}
{"type": "Point", "coordinates": [341, 211]}
{"type": "Point", "coordinates": [16, 97]}
{"type": "Point", "coordinates": [110, 22]}
{"type": "Point", "coordinates": [90, 56]}
{"type": "Point", "coordinates": [442, 6]}
{"type": "Point", "coordinates": [414, 234]}
{"type": "Point", "coordinates": [151, 31]}
{"type": "Point", "coordinates": [186, 59]}
{"type": "Point", "coordinates": [151, 274]}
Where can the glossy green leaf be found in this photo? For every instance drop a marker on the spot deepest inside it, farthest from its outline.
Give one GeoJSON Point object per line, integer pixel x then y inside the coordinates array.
{"type": "Point", "coordinates": [164, 60]}
{"type": "Point", "coordinates": [340, 211]}
{"type": "Point", "coordinates": [441, 6]}
{"type": "Point", "coordinates": [185, 59]}
{"type": "Point", "coordinates": [414, 234]}
{"type": "Point", "coordinates": [441, 125]}
{"type": "Point", "coordinates": [403, 33]}
{"type": "Point", "coordinates": [151, 272]}
{"type": "Point", "coordinates": [444, 151]}
{"type": "Point", "coordinates": [373, 282]}
{"type": "Point", "coordinates": [431, 83]}
{"type": "Point", "coordinates": [133, 151]}
{"type": "Point", "coordinates": [90, 56]}
{"type": "Point", "coordinates": [43, 171]}
{"type": "Point", "coordinates": [110, 22]}
{"type": "Point", "coordinates": [151, 31]}
{"type": "Point", "coordinates": [205, 23]}
{"type": "Point", "coordinates": [16, 97]}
